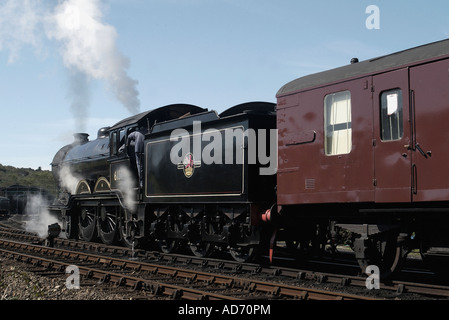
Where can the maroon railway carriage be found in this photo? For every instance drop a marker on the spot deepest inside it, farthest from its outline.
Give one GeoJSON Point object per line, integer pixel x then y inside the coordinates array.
{"type": "Point", "coordinates": [364, 148]}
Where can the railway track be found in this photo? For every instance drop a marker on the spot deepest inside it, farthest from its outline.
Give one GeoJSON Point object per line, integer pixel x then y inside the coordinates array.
{"type": "Point", "coordinates": [173, 282]}
{"type": "Point", "coordinates": [161, 275]}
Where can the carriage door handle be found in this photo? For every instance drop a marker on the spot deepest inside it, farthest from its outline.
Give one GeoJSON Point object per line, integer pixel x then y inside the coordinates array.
{"type": "Point", "coordinates": [422, 151]}
{"type": "Point", "coordinates": [417, 147]}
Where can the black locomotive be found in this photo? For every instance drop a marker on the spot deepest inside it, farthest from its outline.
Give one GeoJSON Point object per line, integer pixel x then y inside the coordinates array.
{"type": "Point", "coordinates": [194, 181]}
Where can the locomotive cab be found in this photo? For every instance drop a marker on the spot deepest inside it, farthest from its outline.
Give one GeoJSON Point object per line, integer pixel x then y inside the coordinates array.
{"type": "Point", "coordinates": [119, 157]}
{"type": "Point", "coordinates": [123, 164]}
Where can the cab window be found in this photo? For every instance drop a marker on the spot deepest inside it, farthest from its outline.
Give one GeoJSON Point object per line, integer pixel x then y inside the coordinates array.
{"type": "Point", "coordinates": [117, 142]}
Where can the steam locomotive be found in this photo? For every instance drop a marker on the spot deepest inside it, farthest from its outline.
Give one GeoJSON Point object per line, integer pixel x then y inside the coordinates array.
{"type": "Point", "coordinates": [178, 200]}
{"type": "Point", "coordinates": [361, 149]}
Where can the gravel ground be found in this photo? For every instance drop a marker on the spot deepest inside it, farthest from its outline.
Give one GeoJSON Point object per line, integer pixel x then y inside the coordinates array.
{"type": "Point", "coordinates": [17, 282]}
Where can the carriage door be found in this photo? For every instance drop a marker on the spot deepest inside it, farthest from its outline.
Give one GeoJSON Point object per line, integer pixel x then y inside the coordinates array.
{"type": "Point", "coordinates": [391, 141]}
{"type": "Point", "coordinates": [429, 84]}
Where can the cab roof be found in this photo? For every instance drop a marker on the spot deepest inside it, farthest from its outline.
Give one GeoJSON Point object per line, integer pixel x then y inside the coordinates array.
{"type": "Point", "coordinates": [149, 118]}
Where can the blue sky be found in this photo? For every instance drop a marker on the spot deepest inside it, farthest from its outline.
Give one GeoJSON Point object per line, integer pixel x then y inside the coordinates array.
{"type": "Point", "coordinates": [210, 53]}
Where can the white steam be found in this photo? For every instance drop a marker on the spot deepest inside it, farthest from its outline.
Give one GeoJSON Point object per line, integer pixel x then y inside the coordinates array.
{"type": "Point", "coordinates": [87, 45]}
{"type": "Point", "coordinates": [67, 179]}
{"type": "Point", "coordinates": [19, 21]}
{"type": "Point", "coordinates": [38, 218]}
{"type": "Point", "coordinates": [126, 184]}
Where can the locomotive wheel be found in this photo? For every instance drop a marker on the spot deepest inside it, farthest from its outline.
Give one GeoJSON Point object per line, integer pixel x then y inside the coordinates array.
{"type": "Point", "coordinates": [108, 225]}
{"type": "Point", "coordinates": [203, 249]}
{"type": "Point", "coordinates": [88, 224]}
{"type": "Point", "coordinates": [168, 245]}
{"type": "Point", "coordinates": [243, 253]}
{"type": "Point", "coordinates": [246, 251]}
{"type": "Point", "coordinates": [130, 240]}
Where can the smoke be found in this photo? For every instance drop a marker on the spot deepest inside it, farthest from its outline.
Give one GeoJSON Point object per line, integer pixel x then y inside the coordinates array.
{"type": "Point", "coordinates": [89, 46]}
{"type": "Point", "coordinates": [19, 22]}
{"type": "Point", "coordinates": [79, 93]}
{"type": "Point", "coordinates": [86, 43]}
{"type": "Point", "coordinates": [38, 218]}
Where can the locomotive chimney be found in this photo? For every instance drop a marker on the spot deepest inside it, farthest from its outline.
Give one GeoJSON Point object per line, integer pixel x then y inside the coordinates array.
{"type": "Point", "coordinates": [81, 138]}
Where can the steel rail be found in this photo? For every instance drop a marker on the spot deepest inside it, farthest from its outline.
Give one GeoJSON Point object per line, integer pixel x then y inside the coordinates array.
{"type": "Point", "coordinates": [157, 288]}
{"type": "Point", "coordinates": [397, 287]}
{"type": "Point", "coordinates": [273, 290]}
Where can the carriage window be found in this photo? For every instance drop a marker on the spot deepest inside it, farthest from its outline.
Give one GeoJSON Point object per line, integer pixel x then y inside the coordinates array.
{"type": "Point", "coordinates": [337, 123]}
{"type": "Point", "coordinates": [391, 126]}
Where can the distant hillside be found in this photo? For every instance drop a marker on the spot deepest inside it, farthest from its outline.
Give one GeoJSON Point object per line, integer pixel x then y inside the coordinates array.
{"type": "Point", "coordinates": [27, 177]}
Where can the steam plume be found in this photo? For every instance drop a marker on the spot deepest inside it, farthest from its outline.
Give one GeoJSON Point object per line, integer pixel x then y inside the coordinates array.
{"type": "Point", "coordinates": [89, 46]}
{"type": "Point", "coordinates": [126, 184]}
{"type": "Point", "coordinates": [79, 94]}
{"type": "Point", "coordinates": [67, 179]}
{"type": "Point", "coordinates": [19, 21]}
{"type": "Point", "coordinates": [38, 216]}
